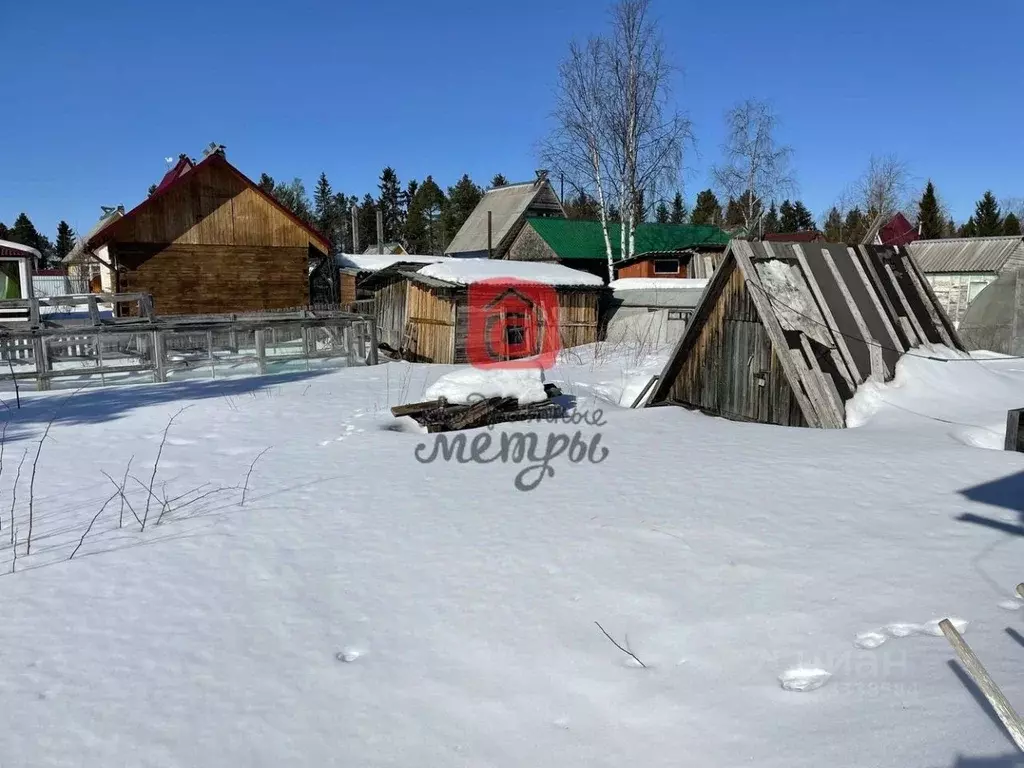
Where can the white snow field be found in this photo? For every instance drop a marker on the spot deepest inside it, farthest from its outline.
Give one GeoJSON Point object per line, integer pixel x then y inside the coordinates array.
{"type": "Point", "coordinates": [779, 586]}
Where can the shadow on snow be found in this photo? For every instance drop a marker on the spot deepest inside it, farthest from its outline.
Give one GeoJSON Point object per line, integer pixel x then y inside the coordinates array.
{"type": "Point", "coordinates": [1008, 493]}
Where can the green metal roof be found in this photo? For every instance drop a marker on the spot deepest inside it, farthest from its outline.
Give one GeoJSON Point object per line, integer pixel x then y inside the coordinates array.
{"type": "Point", "coordinates": [573, 239]}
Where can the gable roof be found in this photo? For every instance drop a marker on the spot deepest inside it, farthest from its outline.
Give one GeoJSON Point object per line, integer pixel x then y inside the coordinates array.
{"type": "Point", "coordinates": [968, 254]}
{"type": "Point", "coordinates": [374, 262]}
{"type": "Point", "coordinates": [899, 231]}
{"type": "Point", "coordinates": [109, 216]}
{"type": "Point", "coordinates": [106, 232]}
{"type": "Point", "coordinates": [575, 239]}
{"type": "Point", "coordinates": [387, 248]}
{"type": "Point", "coordinates": [183, 166]}
{"type": "Point", "coordinates": [835, 316]}
{"type": "Point", "coordinates": [507, 205]}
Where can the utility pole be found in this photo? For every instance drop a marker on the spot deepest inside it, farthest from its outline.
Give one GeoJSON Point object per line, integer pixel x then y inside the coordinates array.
{"type": "Point", "coordinates": [355, 229]}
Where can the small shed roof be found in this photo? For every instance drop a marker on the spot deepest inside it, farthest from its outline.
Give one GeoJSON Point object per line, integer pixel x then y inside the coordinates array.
{"type": "Point", "coordinates": [811, 236]}
{"type": "Point", "coordinates": [507, 205]}
{"type": "Point", "coordinates": [967, 254]}
{"type": "Point", "coordinates": [469, 271]}
{"type": "Point", "coordinates": [10, 248]}
{"type": "Point", "coordinates": [658, 291]}
{"type": "Point", "coordinates": [899, 231]}
{"type": "Point", "coordinates": [574, 239]}
{"type": "Point", "coordinates": [387, 248]}
{"type": "Point", "coordinates": [367, 262]}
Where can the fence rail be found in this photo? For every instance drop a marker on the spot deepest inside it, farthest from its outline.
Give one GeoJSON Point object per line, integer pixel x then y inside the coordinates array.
{"type": "Point", "coordinates": [163, 347]}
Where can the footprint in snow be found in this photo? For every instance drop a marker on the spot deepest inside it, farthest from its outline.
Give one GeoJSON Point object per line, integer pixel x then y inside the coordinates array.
{"type": "Point", "coordinates": [1013, 604]}
{"type": "Point", "coordinates": [804, 679]}
{"type": "Point", "coordinates": [877, 637]}
{"type": "Point", "coordinates": [348, 656]}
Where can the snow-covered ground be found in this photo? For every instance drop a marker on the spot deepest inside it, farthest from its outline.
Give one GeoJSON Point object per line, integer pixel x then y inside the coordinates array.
{"type": "Point", "coordinates": [365, 607]}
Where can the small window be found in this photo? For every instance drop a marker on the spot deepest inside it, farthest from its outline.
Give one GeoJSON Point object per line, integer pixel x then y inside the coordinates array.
{"type": "Point", "coordinates": [677, 314]}
{"type": "Point", "coordinates": [515, 335]}
{"type": "Point", "coordinates": [666, 266]}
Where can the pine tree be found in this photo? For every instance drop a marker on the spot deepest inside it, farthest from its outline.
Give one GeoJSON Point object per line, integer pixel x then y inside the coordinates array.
{"type": "Point", "coordinates": [390, 203]}
{"type": "Point", "coordinates": [499, 181]}
{"type": "Point", "coordinates": [929, 214]}
{"type": "Point", "coordinates": [409, 194]}
{"type": "Point", "coordinates": [343, 224]}
{"type": "Point", "coordinates": [855, 226]}
{"type": "Point", "coordinates": [678, 213]}
{"type": "Point", "coordinates": [987, 219]}
{"type": "Point", "coordinates": [950, 230]}
{"type": "Point", "coordinates": [65, 240]}
{"type": "Point", "coordinates": [787, 217]}
{"type": "Point", "coordinates": [707, 210]}
{"type": "Point", "coordinates": [4, 232]}
{"type": "Point", "coordinates": [968, 229]}
{"type": "Point", "coordinates": [770, 221]}
{"type": "Point", "coordinates": [834, 230]}
{"type": "Point", "coordinates": [463, 198]}
{"type": "Point", "coordinates": [266, 183]}
{"type": "Point", "coordinates": [25, 233]}
{"type": "Point", "coordinates": [293, 197]}
{"type": "Point", "coordinates": [1011, 224]}
{"type": "Point", "coordinates": [661, 213]}
{"type": "Point", "coordinates": [804, 219]}
{"type": "Point", "coordinates": [582, 207]}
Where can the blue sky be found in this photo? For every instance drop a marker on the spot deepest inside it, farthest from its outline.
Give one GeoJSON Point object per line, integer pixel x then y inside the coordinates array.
{"type": "Point", "coordinates": [96, 95]}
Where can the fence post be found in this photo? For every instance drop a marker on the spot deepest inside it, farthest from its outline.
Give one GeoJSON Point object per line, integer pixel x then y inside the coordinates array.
{"type": "Point", "coordinates": [1014, 433]}
{"type": "Point", "coordinates": [42, 366]}
{"type": "Point", "coordinates": [261, 350]}
{"type": "Point", "coordinates": [373, 342]}
{"type": "Point", "coordinates": [157, 353]}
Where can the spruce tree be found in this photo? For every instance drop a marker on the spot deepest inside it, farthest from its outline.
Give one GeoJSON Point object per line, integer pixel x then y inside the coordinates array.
{"type": "Point", "coordinates": [661, 213]}
{"type": "Point", "coordinates": [24, 232]}
{"type": "Point", "coordinates": [390, 203]}
{"type": "Point", "coordinates": [678, 213]}
{"type": "Point", "coordinates": [4, 232]}
{"type": "Point", "coordinates": [733, 214]}
{"type": "Point", "coordinates": [463, 198]}
{"type": "Point", "coordinates": [950, 230]}
{"type": "Point", "coordinates": [65, 240]}
{"type": "Point", "coordinates": [804, 219]}
{"type": "Point", "coordinates": [343, 222]}
{"type": "Point", "coordinates": [582, 207]}
{"type": "Point", "coordinates": [855, 226]}
{"type": "Point", "coordinates": [834, 230]}
{"type": "Point", "coordinates": [499, 181]}
{"type": "Point", "coordinates": [968, 229]}
{"type": "Point", "coordinates": [324, 205]}
{"type": "Point", "coordinates": [770, 221]}
{"type": "Point", "coordinates": [929, 214]}
{"type": "Point", "coordinates": [367, 218]}
{"type": "Point", "coordinates": [707, 210]}
{"type": "Point", "coordinates": [266, 183]}
{"type": "Point", "coordinates": [293, 197]}
{"type": "Point", "coordinates": [423, 230]}
{"type": "Point", "coordinates": [1011, 224]}
{"type": "Point", "coordinates": [152, 189]}
{"type": "Point", "coordinates": [787, 217]}
{"type": "Point", "coordinates": [987, 219]}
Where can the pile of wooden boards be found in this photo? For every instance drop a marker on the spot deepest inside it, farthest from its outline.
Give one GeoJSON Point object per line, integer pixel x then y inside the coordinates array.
{"type": "Point", "coordinates": [442, 416]}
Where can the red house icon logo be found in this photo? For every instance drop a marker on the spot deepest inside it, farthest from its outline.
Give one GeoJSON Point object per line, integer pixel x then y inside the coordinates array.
{"type": "Point", "coordinates": [512, 324]}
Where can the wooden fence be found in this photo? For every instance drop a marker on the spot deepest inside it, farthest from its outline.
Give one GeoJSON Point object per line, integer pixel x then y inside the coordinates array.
{"type": "Point", "coordinates": [1015, 430]}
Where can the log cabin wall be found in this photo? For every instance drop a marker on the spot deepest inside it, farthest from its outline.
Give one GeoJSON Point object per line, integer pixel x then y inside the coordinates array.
{"type": "Point", "coordinates": [431, 317]}
{"type": "Point", "coordinates": [213, 244]}
{"type": "Point", "coordinates": [210, 279]}
{"type": "Point", "coordinates": [729, 357]}
{"type": "Point", "coordinates": [346, 288]}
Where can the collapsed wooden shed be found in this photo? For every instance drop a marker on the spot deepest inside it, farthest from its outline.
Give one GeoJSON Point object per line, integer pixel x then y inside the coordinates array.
{"type": "Point", "coordinates": [427, 313]}
{"type": "Point", "coordinates": [786, 332]}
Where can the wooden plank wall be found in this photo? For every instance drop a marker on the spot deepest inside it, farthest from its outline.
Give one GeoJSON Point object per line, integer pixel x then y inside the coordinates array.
{"type": "Point", "coordinates": [201, 279]}
{"type": "Point", "coordinates": [645, 268]}
{"type": "Point", "coordinates": [721, 372]}
{"type": "Point", "coordinates": [432, 316]}
{"type": "Point", "coordinates": [578, 315]}
{"type": "Point", "coordinates": [212, 206]}
{"type": "Point", "coordinates": [390, 311]}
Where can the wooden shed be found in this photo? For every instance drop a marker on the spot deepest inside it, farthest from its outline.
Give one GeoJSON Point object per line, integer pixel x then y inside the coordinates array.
{"type": "Point", "coordinates": [786, 332]}
{"type": "Point", "coordinates": [427, 313]}
{"type": "Point", "coordinates": [207, 241]}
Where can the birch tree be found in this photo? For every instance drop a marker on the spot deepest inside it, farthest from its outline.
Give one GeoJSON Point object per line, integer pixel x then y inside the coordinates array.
{"type": "Point", "coordinates": [755, 169]}
{"type": "Point", "coordinates": [616, 132]}
{"type": "Point", "coordinates": [882, 190]}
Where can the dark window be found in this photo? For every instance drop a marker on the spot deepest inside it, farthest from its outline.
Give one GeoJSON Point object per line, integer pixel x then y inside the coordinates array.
{"type": "Point", "coordinates": [666, 266]}
{"type": "Point", "coordinates": [515, 335]}
{"type": "Point", "coordinates": [677, 314]}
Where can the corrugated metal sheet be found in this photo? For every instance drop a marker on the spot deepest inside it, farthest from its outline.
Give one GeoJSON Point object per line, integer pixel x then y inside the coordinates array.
{"type": "Point", "coordinates": [973, 254]}
{"type": "Point", "coordinates": [575, 239]}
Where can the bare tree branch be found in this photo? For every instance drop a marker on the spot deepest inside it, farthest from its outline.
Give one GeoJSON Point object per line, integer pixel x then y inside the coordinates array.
{"type": "Point", "coordinates": [245, 488]}
{"type": "Point", "coordinates": [14, 498]}
{"type": "Point", "coordinates": [35, 466]}
{"type": "Point", "coordinates": [625, 651]}
{"type": "Point", "coordinates": [156, 464]}
{"type": "Point", "coordinates": [92, 522]}
{"type": "Point", "coordinates": [124, 499]}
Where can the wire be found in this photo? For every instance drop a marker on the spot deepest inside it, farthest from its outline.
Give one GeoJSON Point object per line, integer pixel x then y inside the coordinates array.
{"type": "Point", "coordinates": [870, 342]}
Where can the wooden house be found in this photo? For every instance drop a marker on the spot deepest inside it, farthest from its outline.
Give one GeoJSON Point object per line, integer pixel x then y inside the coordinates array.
{"type": "Point", "coordinates": [427, 312]}
{"type": "Point", "coordinates": [960, 268]}
{"type": "Point", "coordinates": [785, 333]}
{"type": "Point", "coordinates": [500, 214]}
{"type": "Point", "coordinates": [355, 269]}
{"type": "Point", "coordinates": [663, 250]}
{"type": "Point", "coordinates": [207, 241]}
{"type": "Point", "coordinates": [17, 262]}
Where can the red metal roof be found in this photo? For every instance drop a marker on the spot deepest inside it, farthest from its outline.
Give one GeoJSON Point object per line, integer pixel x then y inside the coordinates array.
{"type": "Point", "coordinates": [106, 233]}
{"type": "Point", "coordinates": [183, 166]}
{"type": "Point", "coordinates": [792, 237]}
{"type": "Point", "coordinates": [49, 273]}
{"type": "Point", "coordinates": [7, 248]}
{"type": "Point", "coordinates": [899, 231]}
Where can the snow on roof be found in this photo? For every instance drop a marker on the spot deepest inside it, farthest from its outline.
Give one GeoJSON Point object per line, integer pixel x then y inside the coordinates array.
{"type": "Point", "coordinates": [471, 384]}
{"type": "Point", "coordinates": [7, 246]}
{"type": "Point", "coordinates": [374, 262]}
{"type": "Point", "coordinates": [659, 284]}
{"type": "Point", "coordinates": [468, 271]}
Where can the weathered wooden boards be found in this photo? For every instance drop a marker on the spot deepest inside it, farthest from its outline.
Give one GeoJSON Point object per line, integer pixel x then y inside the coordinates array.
{"type": "Point", "coordinates": [441, 416]}
{"type": "Point", "coordinates": [1015, 431]}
